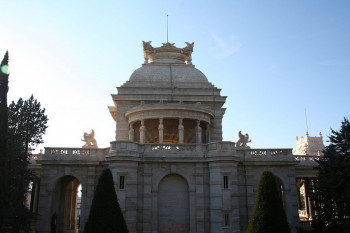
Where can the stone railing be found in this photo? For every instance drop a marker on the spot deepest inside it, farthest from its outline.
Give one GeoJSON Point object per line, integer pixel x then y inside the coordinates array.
{"type": "Point", "coordinates": [174, 148]}
{"type": "Point", "coordinates": [35, 157]}
{"type": "Point", "coordinates": [307, 160]}
{"type": "Point", "coordinates": [302, 213]}
{"type": "Point", "coordinates": [173, 151]}
{"type": "Point", "coordinates": [76, 154]}
{"type": "Point", "coordinates": [267, 154]}
{"type": "Point", "coordinates": [307, 157]}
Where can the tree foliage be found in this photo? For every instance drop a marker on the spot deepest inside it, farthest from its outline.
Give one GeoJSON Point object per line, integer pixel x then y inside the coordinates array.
{"type": "Point", "coordinates": [27, 123]}
{"type": "Point", "coordinates": [3, 140]}
{"type": "Point", "coordinates": [105, 213]}
{"type": "Point", "coordinates": [332, 188]}
{"type": "Point", "coordinates": [22, 125]}
{"type": "Point", "coordinates": [268, 215]}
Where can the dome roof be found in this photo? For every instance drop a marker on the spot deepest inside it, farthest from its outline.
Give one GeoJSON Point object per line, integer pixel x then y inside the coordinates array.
{"type": "Point", "coordinates": [165, 72]}
{"type": "Point", "coordinates": [168, 64]}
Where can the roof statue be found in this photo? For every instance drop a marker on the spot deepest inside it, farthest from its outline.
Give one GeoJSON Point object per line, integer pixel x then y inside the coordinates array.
{"type": "Point", "coordinates": [243, 140]}
{"type": "Point", "coordinates": [89, 139]}
{"type": "Point", "coordinates": [167, 51]}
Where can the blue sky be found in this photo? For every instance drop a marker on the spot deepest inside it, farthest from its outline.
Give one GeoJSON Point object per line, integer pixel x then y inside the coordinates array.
{"type": "Point", "coordinates": [273, 59]}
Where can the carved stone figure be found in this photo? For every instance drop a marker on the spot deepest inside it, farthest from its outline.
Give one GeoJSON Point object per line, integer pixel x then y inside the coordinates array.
{"type": "Point", "coordinates": [243, 140]}
{"type": "Point", "coordinates": [147, 49]}
{"type": "Point", "coordinates": [188, 50]}
{"type": "Point", "coordinates": [89, 140]}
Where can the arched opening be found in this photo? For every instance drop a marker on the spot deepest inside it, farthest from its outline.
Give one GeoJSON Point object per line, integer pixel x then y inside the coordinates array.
{"type": "Point", "coordinates": [65, 216]}
{"type": "Point", "coordinates": [280, 189]}
{"type": "Point", "coordinates": [173, 205]}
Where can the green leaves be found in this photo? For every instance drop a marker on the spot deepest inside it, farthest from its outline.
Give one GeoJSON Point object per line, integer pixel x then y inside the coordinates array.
{"type": "Point", "coordinates": [268, 215]}
{"type": "Point", "coordinates": [28, 121]}
{"type": "Point", "coordinates": [332, 188]}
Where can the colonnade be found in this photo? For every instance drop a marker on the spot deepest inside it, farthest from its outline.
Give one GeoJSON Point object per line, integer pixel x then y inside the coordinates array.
{"type": "Point", "coordinates": [200, 128]}
{"type": "Point", "coordinates": [305, 189]}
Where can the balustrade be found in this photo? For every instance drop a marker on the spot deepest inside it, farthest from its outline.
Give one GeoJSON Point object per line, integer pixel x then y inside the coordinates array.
{"type": "Point", "coordinates": [171, 147]}
{"type": "Point", "coordinates": [74, 154]}
{"type": "Point", "coordinates": [307, 157]}
{"type": "Point", "coordinates": [269, 152]}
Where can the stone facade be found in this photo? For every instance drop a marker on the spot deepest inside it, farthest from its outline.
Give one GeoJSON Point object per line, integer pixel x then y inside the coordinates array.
{"type": "Point", "coordinates": [172, 171]}
{"type": "Point", "coordinates": [309, 145]}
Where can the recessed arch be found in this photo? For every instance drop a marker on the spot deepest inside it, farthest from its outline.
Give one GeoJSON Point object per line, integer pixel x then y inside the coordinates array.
{"type": "Point", "coordinates": [173, 204]}
{"type": "Point", "coordinates": [66, 204]}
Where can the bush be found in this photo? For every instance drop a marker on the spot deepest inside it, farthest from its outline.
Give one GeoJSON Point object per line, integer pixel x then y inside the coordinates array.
{"type": "Point", "coordinates": [105, 213]}
{"type": "Point", "coordinates": [268, 215]}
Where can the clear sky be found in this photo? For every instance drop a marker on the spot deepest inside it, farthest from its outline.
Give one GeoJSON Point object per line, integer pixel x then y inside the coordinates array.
{"type": "Point", "coordinates": [273, 59]}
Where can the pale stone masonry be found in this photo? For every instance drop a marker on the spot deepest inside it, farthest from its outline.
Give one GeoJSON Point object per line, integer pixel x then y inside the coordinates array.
{"type": "Point", "coordinates": [172, 171]}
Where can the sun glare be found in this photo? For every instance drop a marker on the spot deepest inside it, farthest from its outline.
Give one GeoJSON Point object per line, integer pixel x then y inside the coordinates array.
{"type": "Point", "coordinates": [5, 69]}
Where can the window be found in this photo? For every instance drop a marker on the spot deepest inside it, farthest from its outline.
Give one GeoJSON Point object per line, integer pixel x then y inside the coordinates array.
{"type": "Point", "coordinates": [121, 182]}
{"type": "Point", "coordinates": [225, 182]}
{"type": "Point", "coordinates": [226, 220]}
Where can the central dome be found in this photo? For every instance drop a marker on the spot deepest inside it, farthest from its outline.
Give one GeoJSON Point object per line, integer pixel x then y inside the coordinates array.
{"type": "Point", "coordinates": [168, 66]}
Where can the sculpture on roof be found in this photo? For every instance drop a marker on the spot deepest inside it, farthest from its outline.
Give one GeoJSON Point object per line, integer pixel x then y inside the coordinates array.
{"type": "Point", "coordinates": [188, 50]}
{"type": "Point", "coordinates": [243, 140]}
{"type": "Point", "coordinates": [167, 51]}
{"type": "Point", "coordinates": [89, 139]}
{"type": "Point", "coordinates": [147, 49]}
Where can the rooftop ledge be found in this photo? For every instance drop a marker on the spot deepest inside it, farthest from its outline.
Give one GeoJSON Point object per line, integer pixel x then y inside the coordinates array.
{"type": "Point", "coordinates": [129, 150]}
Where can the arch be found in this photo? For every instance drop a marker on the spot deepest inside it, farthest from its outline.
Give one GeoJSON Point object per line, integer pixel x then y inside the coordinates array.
{"type": "Point", "coordinates": [164, 173]}
{"type": "Point", "coordinates": [281, 189]}
{"type": "Point", "coordinates": [66, 204]}
{"type": "Point", "coordinates": [173, 204]}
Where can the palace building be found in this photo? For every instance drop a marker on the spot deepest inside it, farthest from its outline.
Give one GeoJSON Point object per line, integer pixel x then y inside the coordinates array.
{"type": "Point", "coordinates": [172, 171]}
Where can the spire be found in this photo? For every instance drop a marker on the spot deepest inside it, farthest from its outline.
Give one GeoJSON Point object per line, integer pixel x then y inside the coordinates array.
{"type": "Point", "coordinates": [167, 28]}
{"type": "Point", "coordinates": [307, 126]}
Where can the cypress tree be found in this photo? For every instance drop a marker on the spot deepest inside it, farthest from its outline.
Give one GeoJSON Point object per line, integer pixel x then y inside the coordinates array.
{"type": "Point", "coordinates": [4, 75]}
{"type": "Point", "coordinates": [105, 213]}
{"type": "Point", "coordinates": [268, 215]}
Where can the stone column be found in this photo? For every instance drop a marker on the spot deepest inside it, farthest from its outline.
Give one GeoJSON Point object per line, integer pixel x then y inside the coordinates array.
{"type": "Point", "coordinates": [198, 133]}
{"type": "Point", "coordinates": [131, 132]}
{"type": "Point", "coordinates": [142, 131]}
{"type": "Point", "coordinates": [308, 202]}
{"type": "Point", "coordinates": [161, 130]}
{"type": "Point", "coordinates": [207, 133]}
{"type": "Point", "coordinates": [181, 131]}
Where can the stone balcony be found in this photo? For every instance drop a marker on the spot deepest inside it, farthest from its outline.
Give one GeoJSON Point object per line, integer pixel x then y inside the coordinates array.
{"type": "Point", "coordinates": [128, 150]}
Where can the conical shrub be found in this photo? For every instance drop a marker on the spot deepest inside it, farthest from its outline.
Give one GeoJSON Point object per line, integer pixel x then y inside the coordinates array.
{"type": "Point", "coordinates": [105, 213]}
{"type": "Point", "coordinates": [268, 215]}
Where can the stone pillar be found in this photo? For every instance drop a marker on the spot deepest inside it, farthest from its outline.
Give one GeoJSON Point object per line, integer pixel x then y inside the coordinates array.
{"type": "Point", "coordinates": [142, 131]}
{"type": "Point", "coordinates": [198, 133]}
{"type": "Point", "coordinates": [161, 130]}
{"type": "Point", "coordinates": [193, 219]}
{"type": "Point", "coordinates": [131, 132]}
{"type": "Point", "coordinates": [181, 131]}
{"type": "Point", "coordinates": [207, 133]}
{"type": "Point", "coordinates": [308, 205]}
